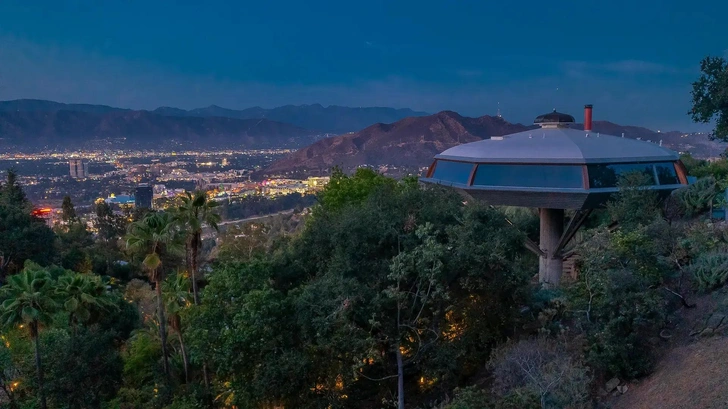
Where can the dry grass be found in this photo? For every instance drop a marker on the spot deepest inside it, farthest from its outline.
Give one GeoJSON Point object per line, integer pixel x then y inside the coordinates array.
{"type": "Point", "coordinates": [692, 376]}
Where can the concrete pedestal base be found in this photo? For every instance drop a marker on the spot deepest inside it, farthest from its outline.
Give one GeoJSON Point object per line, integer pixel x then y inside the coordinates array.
{"type": "Point", "coordinates": [550, 266]}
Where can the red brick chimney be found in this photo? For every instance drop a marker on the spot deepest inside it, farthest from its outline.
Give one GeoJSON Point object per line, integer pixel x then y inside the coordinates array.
{"type": "Point", "coordinates": [588, 117]}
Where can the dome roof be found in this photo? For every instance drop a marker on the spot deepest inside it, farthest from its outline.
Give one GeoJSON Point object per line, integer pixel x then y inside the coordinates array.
{"type": "Point", "coordinates": [554, 167]}
{"type": "Point", "coordinates": [554, 118]}
{"type": "Point", "coordinates": [558, 145]}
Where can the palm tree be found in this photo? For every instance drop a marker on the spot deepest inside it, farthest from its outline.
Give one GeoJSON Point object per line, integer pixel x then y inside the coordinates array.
{"type": "Point", "coordinates": [29, 301]}
{"type": "Point", "coordinates": [155, 233]}
{"type": "Point", "coordinates": [82, 296]}
{"type": "Point", "coordinates": [195, 212]}
{"type": "Point", "coordinates": [177, 297]}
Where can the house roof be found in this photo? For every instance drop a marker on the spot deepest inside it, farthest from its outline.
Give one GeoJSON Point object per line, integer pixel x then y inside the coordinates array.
{"type": "Point", "coordinates": [558, 146]}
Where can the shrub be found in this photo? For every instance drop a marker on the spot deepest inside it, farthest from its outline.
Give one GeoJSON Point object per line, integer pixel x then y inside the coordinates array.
{"type": "Point", "coordinates": [697, 197]}
{"type": "Point", "coordinates": [634, 204]}
{"type": "Point", "coordinates": [471, 397]}
{"type": "Point", "coordinates": [619, 301]}
{"type": "Point", "coordinates": [710, 270]}
{"type": "Point", "coordinates": [620, 311]}
{"type": "Point", "coordinates": [540, 368]}
{"type": "Point", "coordinates": [185, 402]}
{"type": "Point", "coordinates": [519, 398]}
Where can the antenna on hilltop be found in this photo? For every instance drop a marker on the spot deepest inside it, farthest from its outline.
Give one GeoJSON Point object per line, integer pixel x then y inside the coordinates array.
{"type": "Point", "coordinates": [499, 113]}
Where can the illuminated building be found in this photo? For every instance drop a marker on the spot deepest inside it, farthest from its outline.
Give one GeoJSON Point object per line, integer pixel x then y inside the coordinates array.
{"type": "Point", "coordinates": [121, 200]}
{"type": "Point", "coordinates": [78, 168]}
{"type": "Point", "coordinates": [143, 196]}
{"type": "Point", "coordinates": [44, 213]}
{"type": "Point", "coordinates": [317, 183]}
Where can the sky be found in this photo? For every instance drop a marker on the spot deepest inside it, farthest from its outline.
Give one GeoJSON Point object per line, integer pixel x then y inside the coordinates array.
{"type": "Point", "coordinates": [634, 60]}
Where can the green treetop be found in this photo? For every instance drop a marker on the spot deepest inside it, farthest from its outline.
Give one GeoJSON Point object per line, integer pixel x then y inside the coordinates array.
{"type": "Point", "coordinates": [710, 95]}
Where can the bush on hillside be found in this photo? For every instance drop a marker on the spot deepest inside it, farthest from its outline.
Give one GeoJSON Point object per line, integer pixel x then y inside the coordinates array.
{"type": "Point", "coordinates": [618, 301]}
{"type": "Point", "coordinates": [710, 270]}
{"type": "Point", "coordinates": [635, 204]}
{"type": "Point", "coordinates": [698, 197]}
{"type": "Point", "coordinates": [542, 368]}
{"type": "Point", "coordinates": [471, 397]}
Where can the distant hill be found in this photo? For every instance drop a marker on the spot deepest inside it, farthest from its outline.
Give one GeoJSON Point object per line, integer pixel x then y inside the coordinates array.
{"type": "Point", "coordinates": [40, 105]}
{"type": "Point", "coordinates": [412, 142]}
{"type": "Point", "coordinates": [386, 136]}
{"type": "Point", "coordinates": [699, 145]}
{"type": "Point", "coordinates": [316, 117]}
{"type": "Point", "coordinates": [331, 119]}
{"type": "Point", "coordinates": [67, 129]}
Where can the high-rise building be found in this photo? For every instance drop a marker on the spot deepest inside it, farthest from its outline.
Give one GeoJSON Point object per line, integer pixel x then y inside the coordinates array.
{"type": "Point", "coordinates": [143, 196]}
{"type": "Point", "coordinates": [78, 168]}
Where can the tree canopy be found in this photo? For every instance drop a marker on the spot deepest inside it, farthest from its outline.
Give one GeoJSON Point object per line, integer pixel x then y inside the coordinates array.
{"type": "Point", "coordinates": [387, 294]}
{"type": "Point", "coordinates": [22, 235]}
{"type": "Point", "coordinates": [710, 95]}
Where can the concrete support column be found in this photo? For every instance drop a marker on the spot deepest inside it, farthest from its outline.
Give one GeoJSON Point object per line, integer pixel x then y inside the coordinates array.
{"type": "Point", "coordinates": [552, 227]}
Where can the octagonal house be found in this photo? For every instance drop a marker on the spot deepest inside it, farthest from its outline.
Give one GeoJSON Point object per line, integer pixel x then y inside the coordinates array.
{"type": "Point", "coordinates": [554, 168]}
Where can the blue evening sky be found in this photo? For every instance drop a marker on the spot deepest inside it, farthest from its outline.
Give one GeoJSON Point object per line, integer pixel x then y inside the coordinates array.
{"type": "Point", "coordinates": [634, 60]}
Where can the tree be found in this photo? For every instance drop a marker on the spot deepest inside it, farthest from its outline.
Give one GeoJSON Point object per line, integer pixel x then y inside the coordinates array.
{"type": "Point", "coordinates": [29, 300]}
{"type": "Point", "coordinates": [140, 372]}
{"type": "Point", "coordinates": [710, 95]}
{"type": "Point", "coordinates": [152, 235]}
{"type": "Point", "coordinates": [106, 249]}
{"type": "Point", "coordinates": [12, 193]}
{"type": "Point", "coordinates": [82, 370]}
{"type": "Point", "coordinates": [358, 268]}
{"type": "Point", "coordinates": [196, 212]}
{"type": "Point", "coordinates": [419, 289]}
{"type": "Point", "coordinates": [247, 331]}
{"type": "Point", "coordinates": [22, 236]}
{"type": "Point", "coordinates": [74, 242]}
{"type": "Point", "coordinates": [68, 214]}
{"type": "Point", "coordinates": [176, 298]}
{"type": "Point", "coordinates": [619, 299]}
{"type": "Point", "coordinates": [343, 190]}
{"type": "Point", "coordinates": [243, 242]}
{"type": "Point", "coordinates": [84, 297]}
{"type": "Point", "coordinates": [634, 204]}
{"type": "Point", "coordinates": [541, 368]}
{"type": "Point", "coordinates": [109, 226]}
{"type": "Point", "coordinates": [401, 288]}
{"type": "Point", "coordinates": [8, 372]}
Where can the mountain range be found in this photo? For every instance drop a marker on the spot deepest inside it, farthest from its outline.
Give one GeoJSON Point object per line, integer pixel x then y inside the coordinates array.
{"type": "Point", "coordinates": [331, 119]}
{"type": "Point", "coordinates": [412, 142]}
{"type": "Point", "coordinates": [315, 117]}
{"type": "Point", "coordinates": [63, 129]}
{"type": "Point", "coordinates": [385, 136]}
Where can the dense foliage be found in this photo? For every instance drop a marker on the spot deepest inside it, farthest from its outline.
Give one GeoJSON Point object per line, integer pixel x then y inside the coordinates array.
{"type": "Point", "coordinates": [382, 294]}
{"type": "Point", "coordinates": [400, 282]}
{"type": "Point", "coordinates": [710, 95]}
{"type": "Point", "coordinates": [22, 235]}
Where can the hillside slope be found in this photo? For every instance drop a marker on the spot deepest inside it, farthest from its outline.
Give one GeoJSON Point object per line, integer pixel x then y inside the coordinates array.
{"type": "Point", "coordinates": [689, 377]}
{"type": "Point", "coordinates": [410, 142]}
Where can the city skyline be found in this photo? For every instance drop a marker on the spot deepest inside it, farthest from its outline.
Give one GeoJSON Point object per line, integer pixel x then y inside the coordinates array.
{"type": "Point", "coordinates": [635, 63]}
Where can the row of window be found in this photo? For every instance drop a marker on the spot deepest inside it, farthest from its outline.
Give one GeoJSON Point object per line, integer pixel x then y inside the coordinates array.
{"type": "Point", "coordinates": [553, 176]}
